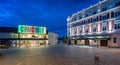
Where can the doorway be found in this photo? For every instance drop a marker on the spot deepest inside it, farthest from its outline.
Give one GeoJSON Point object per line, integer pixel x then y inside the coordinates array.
{"type": "Point", "coordinates": [87, 42]}
{"type": "Point", "coordinates": [104, 43]}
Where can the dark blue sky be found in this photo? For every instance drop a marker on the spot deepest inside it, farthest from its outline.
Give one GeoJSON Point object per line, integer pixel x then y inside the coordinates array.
{"type": "Point", "coordinates": [49, 13]}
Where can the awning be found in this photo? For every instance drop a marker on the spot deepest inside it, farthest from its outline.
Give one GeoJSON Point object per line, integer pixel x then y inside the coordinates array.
{"type": "Point", "coordinates": [91, 37]}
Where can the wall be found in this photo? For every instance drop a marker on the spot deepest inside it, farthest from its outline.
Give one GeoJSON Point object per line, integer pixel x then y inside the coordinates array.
{"type": "Point", "coordinates": [97, 42]}
{"type": "Point", "coordinates": [8, 35]}
{"type": "Point", "coordinates": [117, 44]}
{"type": "Point", "coordinates": [52, 38]}
{"type": "Point", "coordinates": [5, 35]}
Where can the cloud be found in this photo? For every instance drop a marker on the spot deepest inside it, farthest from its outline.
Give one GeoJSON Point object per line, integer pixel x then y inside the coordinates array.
{"type": "Point", "coordinates": [49, 13]}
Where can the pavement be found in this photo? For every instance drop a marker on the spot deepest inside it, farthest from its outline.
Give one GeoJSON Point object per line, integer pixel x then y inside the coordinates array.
{"type": "Point", "coordinates": [60, 55]}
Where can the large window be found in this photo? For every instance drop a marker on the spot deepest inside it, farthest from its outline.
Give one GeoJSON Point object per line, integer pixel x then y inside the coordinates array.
{"type": "Point", "coordinates": [94, 28]}
{"type": "Point", "coordinates": [97, 18]}
{"type": "Point", "coordinates": [117, 25]}
{"type": "Point", "coordinates": [94, 19]}
{"type": "Point", "coordinates": [117, 14]}
{"type": "Point", "coordinates": [100, 17]}
{"type": "Point", "coordinates": [80, 17]}
{"type": "Point", "coordinates": [80, 30]}
{"type": "Point", "coordinates": [104, 26]}
{"type": "Point", "coordinates": [91, 20]}
{"type": "Point", "coordinates": [86, 28]}
{"type": "Point", "coordinates": [104, 17]}
{"type": "Point", "coordinates": [112, 14]}
{"type": "Point", "coordinates": [108, 16]}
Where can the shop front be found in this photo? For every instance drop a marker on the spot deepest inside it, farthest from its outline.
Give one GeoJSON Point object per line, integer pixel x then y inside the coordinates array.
{"type": "Point", "coordinates": [96, 40]}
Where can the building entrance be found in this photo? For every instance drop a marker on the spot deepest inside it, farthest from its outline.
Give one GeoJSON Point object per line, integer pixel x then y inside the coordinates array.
{"type": "Point", "coordinates": [104, 43]}
{"type": "Point", "coordinates": [75, 42]}
{"type": "Point", "coordinates": [86, 42]}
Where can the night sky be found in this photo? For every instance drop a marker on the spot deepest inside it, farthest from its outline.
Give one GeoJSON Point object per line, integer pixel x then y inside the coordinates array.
{"type": "Point", "coordinates": [49, 13]}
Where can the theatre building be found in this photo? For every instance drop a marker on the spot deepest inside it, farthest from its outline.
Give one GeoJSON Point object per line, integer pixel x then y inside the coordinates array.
{"type": "Point", "coordinates": [23, 36]}
{"type": "Point", "coordinates": [97, 25]}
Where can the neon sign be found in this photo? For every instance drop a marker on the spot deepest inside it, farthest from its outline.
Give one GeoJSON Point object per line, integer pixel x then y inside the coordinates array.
{"type": "Point", "coordinates": [31, 29]}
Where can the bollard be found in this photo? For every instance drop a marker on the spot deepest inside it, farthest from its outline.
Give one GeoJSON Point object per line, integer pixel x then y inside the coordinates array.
{"type": "Point", "coordinates": [97, 57]}
{"type": "Point", "coordinates": [0, 54]}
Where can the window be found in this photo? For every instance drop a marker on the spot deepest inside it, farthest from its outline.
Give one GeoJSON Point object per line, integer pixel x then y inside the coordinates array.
{"type": "Point", "coordinates": [80, 17]}
{"type": "Point", "coordinates": [104, 17]}
{"type": "Point", "coordinates": [94, 12]}
{"type": "Point", "coordinates": [104, 9]}
{"type": "Point", "coordinates": [117, 14]}
{"type": "Point", "coordinates": [112, 14]}
{"type": "Point", "coordinates": [94, 29]}
{"type": "Point", "coordinates": [104, 27]}
{"type": "Point", "coordinates": [84, 22]}
{"type": "Point", "coordinates": [74, 19]}
{"type": "Point", "coordinates": [75, 31]}
{"type": "Point", "coordinates": [117, 4]}
{"type": "Point", "coordinates": [94, 40]}
{"type": "Point", "coordinates": [86, 15]}
{"type": "Point", "coordinates": [91, 20]}
{"type": "Point", "coordinates": [108, 16]}
{"type": "Point", "coordinates": [100, 17]}
{"type": "Point", "coordinates": [73, 24]}
{"type": "Point", "coordinates": [94, 19]}
{"type": "Point", "coordinates": [117, 25]}
{"type": "Point", "coordinates": [114, 39]}
{"type": "Point", "coordinates": [78, 23]}
{"type": "Point", "coordinates": [87, 29]}
{"type": "Point", "coordinates": [80, 30]}
{"type": "Point", "coordinates": [97, 18]}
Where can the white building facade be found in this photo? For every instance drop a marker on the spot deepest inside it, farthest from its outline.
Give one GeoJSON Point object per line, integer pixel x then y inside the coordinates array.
{"type": "Point", "coordinates": [97, 25]}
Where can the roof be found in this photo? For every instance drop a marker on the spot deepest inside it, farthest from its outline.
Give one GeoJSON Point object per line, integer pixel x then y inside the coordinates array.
{"type": "Point", "coordinates": [8, 29]}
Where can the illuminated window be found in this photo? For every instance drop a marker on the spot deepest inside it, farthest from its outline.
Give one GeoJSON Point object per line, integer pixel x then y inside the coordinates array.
{"type": "Point", "coordinates": [110, 25]}
{"type": "Point", "coordinates": [99, 27]}
{"type": "Point", "coordinates": [83, 29]}
{"type": "Point", "coordinates": [78, 29]}
{"type": "Point", "coordinates": [90, 28]}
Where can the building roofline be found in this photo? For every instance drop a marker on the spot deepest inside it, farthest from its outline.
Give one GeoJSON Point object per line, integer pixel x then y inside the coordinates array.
{"type": "Point", "coordinates": [91, 6]}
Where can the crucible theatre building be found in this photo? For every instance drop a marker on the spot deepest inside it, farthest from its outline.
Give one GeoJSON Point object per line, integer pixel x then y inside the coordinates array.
{"type": "Point", "coordinates": [97, 25]}
{"type": "Point", "coordinates": [25, 35]}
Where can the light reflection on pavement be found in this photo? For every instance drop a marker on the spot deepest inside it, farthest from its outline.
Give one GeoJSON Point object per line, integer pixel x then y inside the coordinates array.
{"type": "Point", "coordinates": [59, 55]}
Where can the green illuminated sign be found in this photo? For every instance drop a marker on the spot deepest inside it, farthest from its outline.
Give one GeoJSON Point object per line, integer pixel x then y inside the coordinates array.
{"type": "Point", "coordinates": [31, 29]}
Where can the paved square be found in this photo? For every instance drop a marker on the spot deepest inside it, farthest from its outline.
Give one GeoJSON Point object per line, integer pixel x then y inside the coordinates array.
{"type": "Point", "coordinates": [60, 55]}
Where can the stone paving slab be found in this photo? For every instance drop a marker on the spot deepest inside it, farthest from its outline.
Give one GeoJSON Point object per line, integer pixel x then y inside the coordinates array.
{"type": "Point", "coordinates": [60, 55]}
